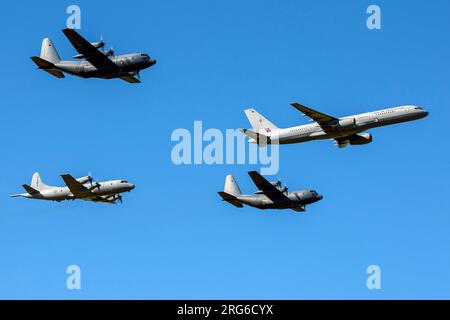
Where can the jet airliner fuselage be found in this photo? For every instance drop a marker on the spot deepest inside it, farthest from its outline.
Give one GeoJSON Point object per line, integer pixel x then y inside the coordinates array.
{"type": "Point", "coordinates": [345, 130]}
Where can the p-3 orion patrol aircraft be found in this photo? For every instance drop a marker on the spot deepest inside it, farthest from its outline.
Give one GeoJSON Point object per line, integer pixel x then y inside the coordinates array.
{"type": "Point", "coordinates": [96, 63]}
{"type": "Point", "coordinates": [271, 195]}
{"type": "Point", "coordinates": [83, 188]}
{"type": "Point", "coordinates": [344, 131]}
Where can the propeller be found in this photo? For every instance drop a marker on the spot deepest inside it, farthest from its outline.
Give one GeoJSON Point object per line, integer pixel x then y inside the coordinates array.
{"type": "Point", "coordinates": [279, 184]}
{"type": "Point", "coordinates": [101, 43]}
{"type": "Point", "coordinates": [90, 179]}
{"type": "Point", "coordinates": [93, 187]}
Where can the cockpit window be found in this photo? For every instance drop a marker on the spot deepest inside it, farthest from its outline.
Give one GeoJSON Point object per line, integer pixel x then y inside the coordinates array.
{"type": "Point", "coordinates": [124, 181]}
{"type": "Point", "coordinates": [145, 55]}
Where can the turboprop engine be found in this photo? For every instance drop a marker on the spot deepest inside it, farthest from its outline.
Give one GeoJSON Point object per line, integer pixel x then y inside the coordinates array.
{"type": "Point", "coordinates": [85, 179]}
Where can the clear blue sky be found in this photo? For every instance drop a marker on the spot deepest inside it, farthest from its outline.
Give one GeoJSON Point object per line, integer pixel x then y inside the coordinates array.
{"type": "Point", "coordinates": [386, 203]}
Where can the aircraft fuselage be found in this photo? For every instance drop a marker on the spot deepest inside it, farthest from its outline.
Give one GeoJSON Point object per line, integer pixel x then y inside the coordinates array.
{"type": "Point", "coordinates": [354, 124]}
{"type": "Point", "coordinates": [100, 189]}
{"type": "Point", "coordinates": [127, 63]}
{"type": "Point", "coordinates": [299, 198]}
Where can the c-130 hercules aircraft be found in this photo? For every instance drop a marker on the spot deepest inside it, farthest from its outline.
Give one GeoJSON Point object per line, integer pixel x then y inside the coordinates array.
{"type": "Point", "coordinates": [345, 130]}
{"type": "Point", "coordinates": [96, 64]}
{"type": "Point", "coordinates": [271, 195]}
{"type": "Point", "coordinates": [83, 188]}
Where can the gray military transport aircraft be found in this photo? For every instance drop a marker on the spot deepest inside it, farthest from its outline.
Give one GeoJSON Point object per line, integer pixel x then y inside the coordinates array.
{"type": "Point", "coordinates": [95, 64]}
{"type": "Point", "coordinates": [271, 195]}
{"type": "Point", "coordinates": [344, 131]}
{"type": "Point", "coordinates": [83, 188]}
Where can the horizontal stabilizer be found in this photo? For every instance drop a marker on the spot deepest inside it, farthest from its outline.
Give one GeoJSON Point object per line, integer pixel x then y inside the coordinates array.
{"type": "Point", "coordinates": [47, 66]}
{"type": "Point", "coordinates": [29, 189]}
{"type": "Point", "coordinates": [256, 136]}
{"type": "Point", "coordinates": [42, 64]}
{"type": "Point", "coordinates": [230, 199]}
{"type": "Point", "coordinates": [129, 78]}
{"type": "Point", "coordinates": [299, 209]}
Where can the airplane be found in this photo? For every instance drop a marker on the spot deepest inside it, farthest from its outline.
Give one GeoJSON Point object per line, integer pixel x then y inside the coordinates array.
{"type": "Point", "coordinates": [344, 131]}
{"type": "Point", "coordinates": [83, 188]}
{"type": "Point", "coordinates": [270, 195]}
{"type": "Point", "coordinates": [95, 63]}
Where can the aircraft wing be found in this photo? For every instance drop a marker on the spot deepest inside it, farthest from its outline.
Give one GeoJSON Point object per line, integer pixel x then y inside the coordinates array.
{"type": "Point", "coordinates": [268, 189]}
{"type": "Point", "coordinates": [321, 118]}
{"type": "Point", "coordinates": [92, 54]}
{"type": "Point", "coordinates": [76, 187]}
{"type": "Point", "coordinates": [129, 78]}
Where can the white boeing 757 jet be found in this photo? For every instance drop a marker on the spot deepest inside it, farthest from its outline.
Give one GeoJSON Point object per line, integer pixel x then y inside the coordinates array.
{"type": "Point", "coordinates": [346, 130]}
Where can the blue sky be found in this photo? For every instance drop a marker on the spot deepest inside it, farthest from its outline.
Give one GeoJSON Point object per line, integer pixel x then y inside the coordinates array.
{"type": "Point", "coordinates": [385, 203]}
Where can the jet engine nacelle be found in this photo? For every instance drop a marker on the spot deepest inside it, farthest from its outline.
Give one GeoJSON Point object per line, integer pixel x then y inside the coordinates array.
{"type": "Point", "coordinates": [346, 123]}
{"type": "Point", "coordinates": [361, 138]}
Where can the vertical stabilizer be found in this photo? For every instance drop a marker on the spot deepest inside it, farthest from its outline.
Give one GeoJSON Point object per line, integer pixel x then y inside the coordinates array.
{"type": "Point", "coordinates": [36, 182]}
{"type": "Point", "coordinates": [258, 122]}
{"type": "Point", "coordinates": [48, 51]}
{"type": "Point", "coordinates": [231, 187]}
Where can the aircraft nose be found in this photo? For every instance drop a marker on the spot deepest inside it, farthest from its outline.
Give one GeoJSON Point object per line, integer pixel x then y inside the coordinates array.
{"type": "Point", "coordinates": [319, 197]}
{"type": "Point", "coordinates": [132, 186]}
{"type": "Point", "coordinates": [426, 113]}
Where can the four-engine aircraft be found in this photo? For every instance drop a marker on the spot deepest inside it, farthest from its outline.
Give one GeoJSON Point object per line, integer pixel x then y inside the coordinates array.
{"type": "Point", "coordinates": [83, 188]}
{"type": "Point", "coordinates": [96, 63]}
{"type": "Point", "coordinates": [271, 195]}
{"type": "Point", "coordinates": [344, 131]}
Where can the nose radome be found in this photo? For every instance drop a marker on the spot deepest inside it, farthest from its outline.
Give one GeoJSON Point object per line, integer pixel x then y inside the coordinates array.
{"type": "Point", "coordinates": [320, 197]}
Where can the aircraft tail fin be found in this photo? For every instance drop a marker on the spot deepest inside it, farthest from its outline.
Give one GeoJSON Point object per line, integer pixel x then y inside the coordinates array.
{"type": "Point", "coordinates": [48, 51]}
{"type": "Point", "coordinates": [230, 191]}
{"type": "Point", "coordinates": [258, 122]}
{"type": "Point", "coordinates": [29, 190]}
{"type": "Point", "coordinates": [36, 182]}
{"type": "Point", "coordinates": [231, 187]}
